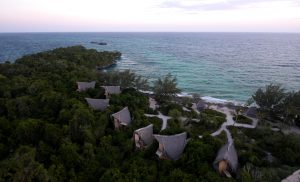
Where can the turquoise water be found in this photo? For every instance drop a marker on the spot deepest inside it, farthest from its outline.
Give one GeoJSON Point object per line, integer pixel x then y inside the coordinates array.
{"type": "Point", "coordinates": [229, 66]}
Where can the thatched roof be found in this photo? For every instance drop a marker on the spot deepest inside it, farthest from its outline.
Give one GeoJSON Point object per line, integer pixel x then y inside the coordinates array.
{"type": "Point", "coordinates": [123, 116]}
{"type": "Point", "coordinates": [98, 104]}
{"type": "Point", "coordinates": [295, 177]}
{"type": "Point", "coordinates": [201, 105]}
{"type": "Point", "coordinates": [112, 89]}
{"type": "Point", "coordinates": [227, 153]}
{"type": "Point", "coordinates": [82, 86]}
{"type": "Point", "coordinates": [173, 145]}
{"type": "Point", "coordinates": [252, 112]}
{"type": "Point", "coordinates": [146, 134]}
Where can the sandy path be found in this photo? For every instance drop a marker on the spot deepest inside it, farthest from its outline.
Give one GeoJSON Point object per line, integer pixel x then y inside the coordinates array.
{"type": "Point", "coordinates": [152, 103]}
{"type": "Point", "coordinates": [161, 116]}
{"type": "Point", "coordinates": [230, 122]}
{"type": "Point", "coordinates": [228, 112]}
{"type": "Point", "coordinates": [292, 129]}
{"type": "Point", "coordinates": [194, 107]}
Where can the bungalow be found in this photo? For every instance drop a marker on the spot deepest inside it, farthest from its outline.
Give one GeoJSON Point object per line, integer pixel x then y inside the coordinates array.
{"type": "Point", "coordinates": [98, 104]}
{"type": "Point", "coordinates": [109, 90]}
{"type": "Point", "coordinates": [143, 137]}
{"type": "Point", "coordinates": [295, 177]}
{"type": "Point", "coordinates": [226, 162]}
{"type": "Point", "coordinates": [201, 105]}
{"type": "Point", "coordinates": [83, 86]}
{"type": "Point", "coordinates": [171, 147]}
{"type": "Point", "coordinates": [251, 112]}
{"type": "Point", "coordinates": [122, 118]}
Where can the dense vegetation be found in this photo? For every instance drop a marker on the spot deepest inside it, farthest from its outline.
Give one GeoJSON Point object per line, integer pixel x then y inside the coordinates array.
{"type": "Point", "coordinates": [48, 132]}
{"type": "Point", "coordinates": [266, 155]}
{"type": "Point", "coordinates": [166, 88]}
{"type": "Point", "coordinates": [277, 105]}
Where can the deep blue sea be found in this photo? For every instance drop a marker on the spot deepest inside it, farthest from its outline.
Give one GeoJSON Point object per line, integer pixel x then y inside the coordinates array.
{"type": "Point", "coordinates": [228, 66]}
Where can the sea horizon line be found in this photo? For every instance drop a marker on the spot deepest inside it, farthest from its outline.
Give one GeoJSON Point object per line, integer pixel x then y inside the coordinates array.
{"type": "Point", "coordinates": [224, 32]}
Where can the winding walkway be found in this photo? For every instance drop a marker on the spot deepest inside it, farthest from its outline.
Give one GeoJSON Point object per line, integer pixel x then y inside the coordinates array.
{"type": "Point", "coordinates": [153, 105]}
{"type": "Point", "coordinates": [229, 119]}
{"type": "Point", "coordinates": [194, 107]}
{"type": "Point", "coordinates": [161, 116]}
{"type": "Point", "coordinates": [230, 122]}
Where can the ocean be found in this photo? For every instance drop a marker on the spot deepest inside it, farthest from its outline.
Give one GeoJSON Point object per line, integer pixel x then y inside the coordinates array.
{"type": "Point", "coordinates": [227, 66]}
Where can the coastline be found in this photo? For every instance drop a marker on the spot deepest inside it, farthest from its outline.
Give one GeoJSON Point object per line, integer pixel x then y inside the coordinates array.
{"type": "Point", "coordinates": [65, 121]}
{"type": "Point", "coordinates": [206, 99]}
{"type": "Point", "coordinates": [106, 66]}
{"type": "Point", "coordinates": [194, 66]}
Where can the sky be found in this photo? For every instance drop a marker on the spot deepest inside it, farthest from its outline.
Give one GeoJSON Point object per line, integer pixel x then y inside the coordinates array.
{"type": "Point", "coordinates": [150, 16]}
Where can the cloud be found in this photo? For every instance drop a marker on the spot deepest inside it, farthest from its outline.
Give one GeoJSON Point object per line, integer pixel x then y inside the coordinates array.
{"type": "Point", "coordinates": [217, 5]}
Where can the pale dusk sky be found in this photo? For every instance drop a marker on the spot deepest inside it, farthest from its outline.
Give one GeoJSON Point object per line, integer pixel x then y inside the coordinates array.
{"type": "Point", "coordinates": [150, 16]}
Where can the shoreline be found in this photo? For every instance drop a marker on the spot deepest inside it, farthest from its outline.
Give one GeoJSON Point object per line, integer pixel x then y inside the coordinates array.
{"type": "Point", "coordinates": [206, 99]}
{"type": "Point", "coordinates": [101, 68]}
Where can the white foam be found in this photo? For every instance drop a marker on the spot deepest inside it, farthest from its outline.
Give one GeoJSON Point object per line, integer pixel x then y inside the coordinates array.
{"type": "Point", "coordinates": [210, 99]}
{"type": "Point", "coordinates": [146, 92]}
{"type": "Point", "coordinates": [207, 99]}
{"type": "Point", "coordinates": [184, 94]}
{"type": "Point", "coordinates": [123, 57]}
{"type": "Point", "coordinates": [213, 100]}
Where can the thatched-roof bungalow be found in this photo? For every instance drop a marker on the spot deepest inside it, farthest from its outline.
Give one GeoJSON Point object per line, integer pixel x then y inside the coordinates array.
{"type": "Point", "coordinates": [143, 137]}
{"type": "Point", "coordinates": [83, 86]}
{"type": "Point", "coordinates": [295, 177]}
{"type": "Point", "coordinates": [251, 112]}
{"type": "Point", "coordinates": [171, 147]}
{"type": "Point", "coordinates": [226, 162]}
{"type": "Point", "coordinates": [122, 118]}
{"type": "Point", "coordinates": [201, 105]}
{"type": "Point", "coordinates": [98, 104]}
{"type": "Point", "coordinates": [109, 90]}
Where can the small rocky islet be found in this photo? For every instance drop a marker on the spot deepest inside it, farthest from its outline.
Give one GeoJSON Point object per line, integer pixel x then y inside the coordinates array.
{"type": "Point", "coordinates": [98, 43]}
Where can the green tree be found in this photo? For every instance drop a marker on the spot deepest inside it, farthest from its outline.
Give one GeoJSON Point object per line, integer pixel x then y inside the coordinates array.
{"type": "Point", "coordinates": [166, 88]}
{"type": "Point", "coordinates": [81, 120]}
{"type": "Point", "coordinates": [112, 175]}
{"type": "Point", "coordinates": [21, 107]}
{"type": "Point", "coordinates": [292, 108]}
{"type": "Point", "coordinates": [30, 131]}
{"type": "Point", "coordinates": [180, 176]}
{"type": "Point", "coordinates": [141, 83]}
{"type": "Point", "coordinates": [69, 156]}
{"type": "Point", "coordinates": [175, 114]}
{"type": "Point", "coordinates": [139, 169]}
{"type": "Point", "coordinates": [57, 173]}
{"type": "Point", "coordinates": [270, 98]}
{"type": "Point", "coordinates": [23, 167]}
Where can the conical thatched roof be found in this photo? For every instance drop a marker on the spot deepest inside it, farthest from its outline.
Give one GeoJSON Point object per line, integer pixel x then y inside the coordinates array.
{"type": "Point", "coordinates": [227, 153]}
{"type": "Point", "coordinates": [295, 177]}
{"type": "Point", "coordinates": [112, 89]}
{"type": "Point", "coordinates": [98, 104]}
{"type": "Point", "coordinates": [201, 105]}
{"type": "Point", "coordinates": [82, 86]}
{"type": "Point", "coordinates": [252, 112]}
{"type": "Point", "coordinates": [146, 134]}
{"type": "Point", "coordinates": [173, 145]}
{"type": "Point", "coordinates": [123, 116]}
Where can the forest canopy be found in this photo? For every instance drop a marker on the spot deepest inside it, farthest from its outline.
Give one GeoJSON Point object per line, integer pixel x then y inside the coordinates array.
{"type": "Point", "coordinates": [49, 133]}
